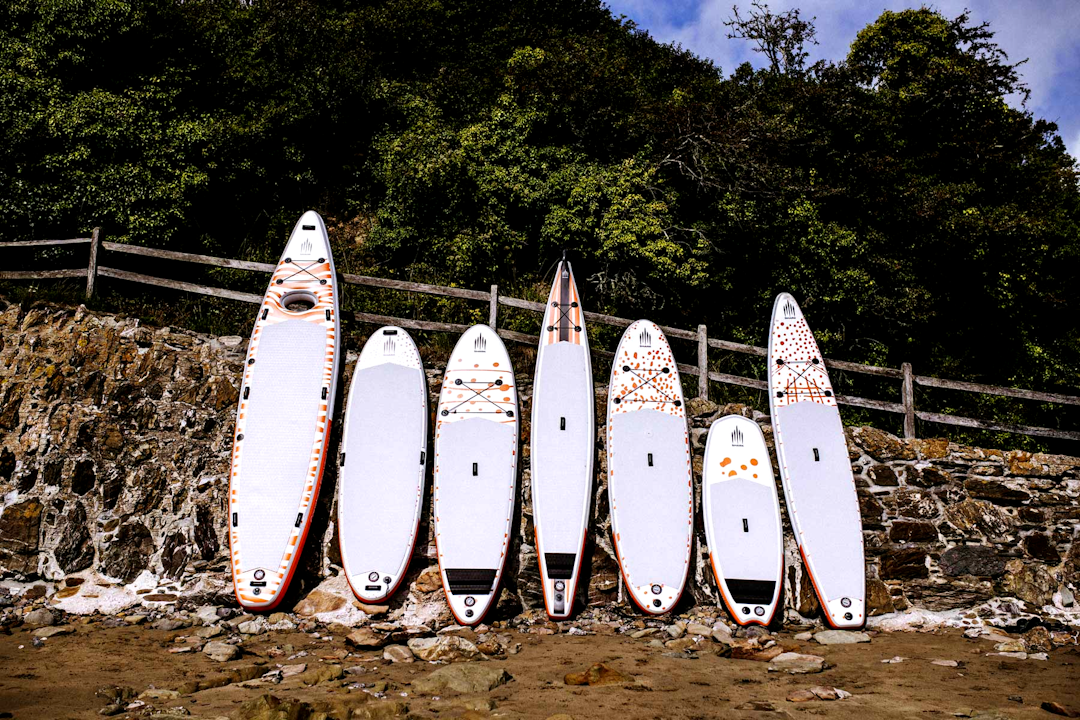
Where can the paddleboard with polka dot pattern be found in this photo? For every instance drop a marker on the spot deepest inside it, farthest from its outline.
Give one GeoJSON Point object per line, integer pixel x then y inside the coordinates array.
{"type": "Point", "coordinates": [812, 452]}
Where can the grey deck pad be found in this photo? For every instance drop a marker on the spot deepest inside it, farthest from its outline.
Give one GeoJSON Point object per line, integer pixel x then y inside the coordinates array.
{"type": "Point", "coordinates": [650, 502]}
{"type": "Point", "coordinates": [473, 510]}
{"type": "Point", "coordinates": [281, 429]}
{"type": "Point", "coordinates": [381, 482]}
{"type": "Point", "coordinates": [745, 551]}
{"type": "Point", "coordinates": [822, 495]}
{"type": "Point", "coordinates": [563, 446]}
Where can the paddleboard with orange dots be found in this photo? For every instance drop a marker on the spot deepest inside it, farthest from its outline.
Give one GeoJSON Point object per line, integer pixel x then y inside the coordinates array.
{"type": "Point", "coordinates": [283, 421]}
{"type": "Point", "coordinates": [742, 520]}
{"type": "Point", "coordinates": [380, 488]}
{"type": "Point", "coordinates": [650, 482]}
{"type": "Point", "coordinates": [813, 456]}
{"type": "Point", "coordinates": [476, 450]}
{"type": "Point", "coordinates": [562, 447]}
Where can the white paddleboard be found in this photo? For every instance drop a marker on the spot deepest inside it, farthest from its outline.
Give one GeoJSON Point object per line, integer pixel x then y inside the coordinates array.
{"type": "Point", "coordinates": [814, 466]}
{"type": "Point", "coordinates": [742, 520]}
{"type": "Point", "coordinates": [562, 444]}
{"type": "Point", "coordinates": [382, 461]}
{"type": "Point", "coordinates": [476, 445]}
{"type": "Point", "coordinates": [283, 422]}
{"type": "Point", "coordinates": [650, 482]}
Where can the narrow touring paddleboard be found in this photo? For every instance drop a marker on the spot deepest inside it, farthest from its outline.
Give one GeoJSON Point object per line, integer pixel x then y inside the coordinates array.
{"type": "Point", "coordinates": [283, 422]}
{"type": "Point", "coordinates": [814, 466]}
{"type": "Point", "coordinates": [382, 462]}
{"type": "Point", "coordinates": [742, 520]}
{"type": "Point", "coordinates": [476, 445]}
{"type": "Point", "coordinates": [650, 485]}
{"type": "Point", "coordinates": [562, 444]}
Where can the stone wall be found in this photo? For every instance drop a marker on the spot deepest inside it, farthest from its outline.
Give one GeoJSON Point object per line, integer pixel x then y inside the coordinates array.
{"type": "Point", "coordinates": [114, 450]}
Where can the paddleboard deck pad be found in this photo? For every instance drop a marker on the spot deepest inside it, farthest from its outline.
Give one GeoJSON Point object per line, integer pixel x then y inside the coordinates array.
{"type": "Point", "coordinates": [283, 420]}
{"type": "Point", "coordinates": [476, 445]}
{"type": "Point", "coordinates": [382, 461]}
{"type": "Point", "coordinates": [562, 444]}
{"type": "Point", "coordinates": [650, 482]}
{"type": "Point", "coordinates": [814, 466]}
{"type": "Point", "coordinates": [742, 520]}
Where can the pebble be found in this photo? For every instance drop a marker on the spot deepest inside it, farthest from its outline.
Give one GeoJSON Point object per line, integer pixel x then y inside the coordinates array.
{"type": "Point", "coordinates": [1038, 656]}
{"type": "Point", "coordinates": [290, 670]}
{"type": "Point", "coordinates": [1059, 709]}
{"type": "Point", "coordinates": [827, 692]}
{"type": "Point", "coordinates": [797, 696]}
{"type": "Point", "coordinates": [41, 617]}
{"type": "Point", "coordinates": [804, 636]}
{"type": "Point", "coordinates": [208, 631]}
{"type": "Point", "coordinates": [945, 663]}
{"type": "Point", "coordinates": [158, 694]}
{"type": "Point", "coordinates": [448, 647]}
{"type": "Point", "coordinates": [676, 631]}
{"type": "Point", "coordinates": [695, 628]}
{"type": "Point", "coordinates": [221, 652]}
{"type": "Point", "coordinates": [48, 632]}
{"type": "Point", "coordinates": [598, 674]}
{"type": "Point", "coordinates": [894, 660]}
{"type": "Point", "coordinates": [1017, 655]}
{"type": "Point", "coordinates": [840, 637]}
{"type": "Point", "coordinates": [398, 654]}
{"type": "Point", "coordinates": [1011, 646]}
{"type": "Point", "coordinates": [721, 633]}
{"type": "Point", "coordinates": [170, 624]}
{"type": "Point", "coordinates": [757, 705]}
{"type": "Point", "coordinates": [366, 638]}
{"type": "Point", "coordinates": [253, 627]}
{"type": "Point", "coordinates": [797, 663]}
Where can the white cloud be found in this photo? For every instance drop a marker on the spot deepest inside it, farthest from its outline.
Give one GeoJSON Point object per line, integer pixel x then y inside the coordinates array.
{"type": "Point", "coordinates": [1046, 32]}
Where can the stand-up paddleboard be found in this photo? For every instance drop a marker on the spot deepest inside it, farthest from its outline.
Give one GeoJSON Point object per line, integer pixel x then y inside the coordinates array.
{"type": "Point", "coordinates": [814, 466]}
{"type": "Point", "coordinates": [476, 444]}
{"type": "Point", "coordinates": [282, 425]}
{"type": "Point", "coordinates": [563, 438]}
{"type": "Point", "coordinates": [650, 482]}
{"type": "Point", "coordinates": [742, 520]}
{"type": "Point", "coordinates": [382, 462]}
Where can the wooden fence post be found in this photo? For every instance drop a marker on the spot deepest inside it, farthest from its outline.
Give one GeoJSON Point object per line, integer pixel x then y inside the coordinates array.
{"type": "Point", "coordinates": [907, 399]}
{"type": "Point", "coordinates": [702, 362]}
{"type": "Point", "coordinates": [91, 268]}
{"type": "Point", "coordinates": [493, 314]}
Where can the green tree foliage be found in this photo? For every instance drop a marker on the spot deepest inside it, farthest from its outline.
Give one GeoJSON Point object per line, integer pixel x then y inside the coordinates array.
{"type": "Point", "coordinates": [916, 214]}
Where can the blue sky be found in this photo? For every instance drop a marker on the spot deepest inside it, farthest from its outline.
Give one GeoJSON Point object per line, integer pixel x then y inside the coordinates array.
{"type": "Point", "coordinates": [1046, 32]}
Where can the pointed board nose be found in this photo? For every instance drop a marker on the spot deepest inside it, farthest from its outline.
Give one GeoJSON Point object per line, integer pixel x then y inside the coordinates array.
{"type": "Point", "coordinates": [308, 241]}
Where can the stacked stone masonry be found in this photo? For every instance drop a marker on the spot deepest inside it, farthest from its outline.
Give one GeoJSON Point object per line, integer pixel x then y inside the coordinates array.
{"type": "Point", "coordinates": [114, 451]}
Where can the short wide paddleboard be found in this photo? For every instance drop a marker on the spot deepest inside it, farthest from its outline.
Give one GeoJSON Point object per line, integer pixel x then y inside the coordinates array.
{"type": "Point", "coordinates": [562, 445]}
{"type": "Point", "coordinates": [742, 520]}
{"type": "Point", "coordinates": [283, 422]}
{"type": "Point", "coordinates": [476, 445]}
{"type": "Point", "coordinates": [814, 465]}
{"type": "Point", "coordinates": [382, 462]}
{"type": "Point", "coordinates": [650, 485]}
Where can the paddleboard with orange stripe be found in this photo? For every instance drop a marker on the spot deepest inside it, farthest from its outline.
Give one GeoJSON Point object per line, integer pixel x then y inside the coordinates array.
{"type": "Point", "coordinates": [742, 520]}
{"type": "Point", "coordinates": [382, 461]}
{"type": "Point", "coordinates": [650, 482]}
{"type": "Point", "coordinates": [563, 442]}
{"type": "Point", "coordinates": [819, 486]}
{"type": "Point", "coordinates": [476, 446]}
{"type": "Point", "coordinates": [283, 420]}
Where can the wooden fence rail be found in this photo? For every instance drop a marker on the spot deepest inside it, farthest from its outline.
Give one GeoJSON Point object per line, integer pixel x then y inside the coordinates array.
{"type": "Point", "coordinates": [703, 342]}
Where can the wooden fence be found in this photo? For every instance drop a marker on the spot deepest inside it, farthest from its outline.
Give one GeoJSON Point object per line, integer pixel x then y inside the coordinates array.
{"type": "Point", "coordinates": [904, 374]}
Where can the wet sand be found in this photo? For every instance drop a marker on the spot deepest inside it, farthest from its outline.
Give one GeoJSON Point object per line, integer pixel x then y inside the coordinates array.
{"type": "Point", "coordinates": [59, 680]}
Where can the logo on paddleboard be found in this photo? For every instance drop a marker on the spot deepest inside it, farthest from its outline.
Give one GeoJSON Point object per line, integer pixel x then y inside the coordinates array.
{"type": "Point", "coordinates": [736, 438]}
{"type": "Point", "coordinates": [789, 310]}
{"type": "Point", "coordinates": [389, 347]}
{"type": "Point", "coordinates": [480, 344]}
{"type": "Point", "coordinates": [645, 339]}
{"type": "Point", "coordinates": [305, 247]}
